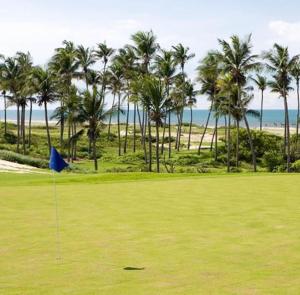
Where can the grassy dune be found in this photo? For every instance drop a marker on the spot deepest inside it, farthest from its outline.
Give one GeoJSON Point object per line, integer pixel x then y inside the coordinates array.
{"type": "Point", "coordinates": [209, 234]}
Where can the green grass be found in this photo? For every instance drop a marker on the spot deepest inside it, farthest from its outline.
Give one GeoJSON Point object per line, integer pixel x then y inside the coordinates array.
{"type": "Point", "coordinates": [207, 234]}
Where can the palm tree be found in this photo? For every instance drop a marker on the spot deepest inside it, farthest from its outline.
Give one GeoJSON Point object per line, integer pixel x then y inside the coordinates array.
{"type": "Point", "coordinates": [65, 65]}
{"type": "Point", "coordinates": [45, 88]}
{"type": "Point", "coordinates": [295, 72]}
{"type": "Point", "coordinates": [117, 82]}
{"type": "Point", "coordinates": [181, 56]}
{"type": "Point", "coordinates": [261, 82]}
{"type": "Point", "coordinates": [85, 60]}
{"type": "Point", "coordinates": [153, 94]}
{"type": "Point", "coordinates": [104, 53]}
{"type": "Point", "coordinates": [5, 111]}
{"type": "Point", "coordinates": [93, 111]}
{"type": "Point", "coordinates": [191, 101]}
{"type": "Point", "coordinates": [237, 59]}
{"type": "Point", "coordinates": [280, 63]}
{"type": "Point", "coordinates": [166, 68]}
{"type": "Point", "coordinates": [208, 75]}
{"type": "Point", "coordinates": [145, 47]}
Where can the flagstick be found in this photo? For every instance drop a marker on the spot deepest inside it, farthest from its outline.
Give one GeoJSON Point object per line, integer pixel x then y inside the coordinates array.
{"type": "Point", "coordinates": [58, 247]}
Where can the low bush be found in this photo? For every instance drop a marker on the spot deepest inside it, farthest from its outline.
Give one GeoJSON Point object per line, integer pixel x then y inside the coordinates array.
{"type": "Point", "coordinates": [186, 160]}
{"type": "Point", "coordinates": [272, 160]}
{"type": "Point", "coordinates": [296, 166]}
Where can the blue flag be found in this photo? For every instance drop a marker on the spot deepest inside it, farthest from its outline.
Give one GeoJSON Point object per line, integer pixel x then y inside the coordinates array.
{"type": "Point", "coordinates": [56, 161]}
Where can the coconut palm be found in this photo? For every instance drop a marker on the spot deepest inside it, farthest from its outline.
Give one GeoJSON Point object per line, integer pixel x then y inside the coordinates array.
{"type": "Point", "coordinates": [64, 64]}
{"type": "Point", "coordinates": [94, 113]}
{"type": "Point", "coordinates": [208, 75]}
{"type": "Point", "coordinates": [295, 72]}
{"type": "Point", "coordinates": [166, 70]}
{"type": "Point", "coordinates": [181, 56]}
{"type": "Point", "coordinates": [103, 53]}
{"type": "Point", "coordinates": [261, 82]}
{"type": "Point", "coordinates": [45, 89]}
{"type": "Point", "coordinates": [280, 63]}
{"type": "Point", "coordinates": [145, 47]}
{"type": "Point", "coordinates": [117, 83]}
{"type": "Point", "coordinates": [237, 60]}
{"type": "Point", "coordinates": [191, 101]}
{"type": "Point", "coordinates": [85, 60]}
{"type": "Point", "coordinates": [153, 95]}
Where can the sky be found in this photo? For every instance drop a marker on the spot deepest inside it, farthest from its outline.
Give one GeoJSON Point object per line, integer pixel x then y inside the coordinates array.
{"type": "Point", "coordinates": [41, 26]}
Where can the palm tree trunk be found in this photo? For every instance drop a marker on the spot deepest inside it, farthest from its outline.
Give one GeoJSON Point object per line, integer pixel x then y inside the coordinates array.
{"type": "Point", "coordinates": [23, 128]}
{"type": "Point", "coordinates": [110, 116]}
{"type": "Point", "coordinates": [216, 140]}
{"type": "Point", "coordinates": [5, 121]}
{"type": "Point", "coordinates": [288, 148]}
{"type": "Point", "coordinates": [30, 118]}
{"type": "Point", "coordinates": [150, 142]}
{"type": "Point", "coordinates": [179, 128]}
{"type": "Point", "coordinates": [142, 130]}
{"type": "Point", "coordinates": [47, 127]}
{"type": "Point", "coordinates": [163, 136]}
{"type": "Point", "coordinates": [94, 151]}
{"type": "Point", "coordinates": [157, 147]}
{"type": "Point", "coordinates": [126, 129]}
{"type": "Point", "coordinates": [177, 133]}
{"type": "Point", "coordinates": [298, 114]}
{"type": "Point", "coordinates": [205, 128]}
{"type": "Point", "coordinates": [119, 131]}
{"type": "Point", "coordinates": [237, 142]}
{"type": "Point", "coordinates": [134, 127]}
{"type": "Point", "coordinates": [261, 109]}
{"type": "Point", "coordinates": [226, 130]}
{"type": "Point", "coordinates": [190, 129]}
{"type": "Point", "coordinates": [69, 140]}
{"type": "Point", "coordinates": [62, 126]}
{"type": "Point", "coordinates": [253, 152]}
{"type": "Point", "coordinates": [18, 127]}
{"type": "Point", "coordinates": [228, 143]}
{"type": "Point", "coordinates": [170, 144]}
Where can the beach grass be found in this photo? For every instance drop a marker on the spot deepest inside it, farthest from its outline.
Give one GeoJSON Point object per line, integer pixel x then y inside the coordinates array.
{"type": "Point", "coordinates": [145, 234]}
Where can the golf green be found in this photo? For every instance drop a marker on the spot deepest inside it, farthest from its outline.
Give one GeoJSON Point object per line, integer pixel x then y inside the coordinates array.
{"type": "Point", "coordinates": [210, 234]}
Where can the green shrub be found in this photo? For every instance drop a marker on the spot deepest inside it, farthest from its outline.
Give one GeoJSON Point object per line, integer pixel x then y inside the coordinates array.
{"type": "Point", "coordinates": [22, 159]}
{"type": "Point", "coordinates": [272, 160]}
{"type": "Point", "coordinates": [185, 160]}
{"type": "Point", "coordinates": [130, 158]}
{"type": "Point", "coordinates": [296, 166]}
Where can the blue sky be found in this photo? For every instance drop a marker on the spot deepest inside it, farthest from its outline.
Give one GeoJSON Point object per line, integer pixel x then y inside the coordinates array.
{"type": "Point", "coordinates": [40, 26]}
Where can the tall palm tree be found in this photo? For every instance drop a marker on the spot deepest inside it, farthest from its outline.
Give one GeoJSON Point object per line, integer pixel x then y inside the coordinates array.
{"type": "Point", "coordinates": [208, 75]}
{"type": "Point", "coordinates": [181, 56]}
{"type": "Point", "coordinates": [145, 47]}
{"type": "Point", "coordinates": [117, 82]}
{"type": "Point", "coordinates": [64, 64]}
{"type": "Point", "coordinates": [94, 113]}
{"type": "Point", "coordinates": [103, 53]}
{"type": "Point", "coordinates": [166, 69]}
{"type": "Point", "coordinates": [153, 96]}
{"type": "Point", "coordinates": [237, 59]}
{"type": "Point", "coordinates": [280, 63]}
{"type": "Point", "coordinates": [85, 60]}
{"type": "Point", "coordinates": [191, 101]}
{"type": "Point", "coordinates": [261, 82]}
{"type": "Point", "coordinates": [45, 88]}
{"type": "Point", "coordinates": [295, 72]}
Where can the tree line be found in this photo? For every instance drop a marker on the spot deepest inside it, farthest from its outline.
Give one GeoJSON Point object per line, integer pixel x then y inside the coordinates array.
{"type": "Point", "coordinates": [152, 80]}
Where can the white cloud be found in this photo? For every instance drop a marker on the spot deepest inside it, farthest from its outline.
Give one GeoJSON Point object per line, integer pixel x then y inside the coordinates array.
{"type": "Point", "coordinates": [286, 31]}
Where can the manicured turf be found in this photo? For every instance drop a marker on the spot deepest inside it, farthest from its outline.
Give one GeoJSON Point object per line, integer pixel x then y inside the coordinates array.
{"type": "Point", "coordinates": [236, 234]}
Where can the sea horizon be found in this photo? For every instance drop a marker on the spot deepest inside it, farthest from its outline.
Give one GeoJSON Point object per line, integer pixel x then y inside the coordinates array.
{"type": "Point", "coordinates": [271, 117]}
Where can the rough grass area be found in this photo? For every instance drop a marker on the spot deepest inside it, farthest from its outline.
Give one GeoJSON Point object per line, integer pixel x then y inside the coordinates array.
{"type": "Point", "coordinates": [137, 234]}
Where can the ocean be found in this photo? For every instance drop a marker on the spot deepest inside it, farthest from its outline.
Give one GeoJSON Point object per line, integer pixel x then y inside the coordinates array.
{"type": "Point", "coordinates": [271, 118]}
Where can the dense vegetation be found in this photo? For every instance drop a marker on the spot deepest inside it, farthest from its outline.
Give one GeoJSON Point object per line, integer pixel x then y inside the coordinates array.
{"type": "Point", "coordinates": [153, 81]}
